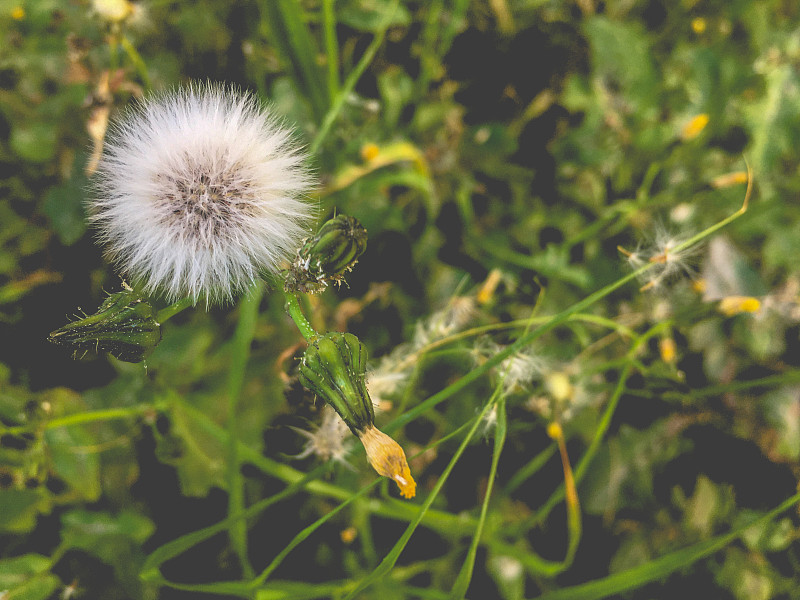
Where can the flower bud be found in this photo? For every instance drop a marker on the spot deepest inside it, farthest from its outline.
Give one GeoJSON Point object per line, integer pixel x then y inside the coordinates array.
{"type": "Point", "coordinates": [326, 257]}
{"type": "Point", "coordinates": [123, 326]}
{"type": "Point", "coordinates": [334, 367]}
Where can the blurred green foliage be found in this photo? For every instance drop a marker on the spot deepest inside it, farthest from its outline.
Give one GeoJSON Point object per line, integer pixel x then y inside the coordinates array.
{"type": "Point", "coordinates": [498, 153]}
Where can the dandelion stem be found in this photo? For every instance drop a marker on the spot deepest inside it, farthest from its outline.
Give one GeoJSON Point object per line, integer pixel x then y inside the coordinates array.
{"type": "Point", "coordinates": [166, 313]}
{"type": "Point", "coordinates": [136, 59]}
{"type": "Point", "coordinates": [350, 82]}
{"type": "Point", "coordinates": [294, 310]}
{"type": "Point", "coordinates": [242, 338]}
{"type": "Point", "coordinates": [331, 47]}
{"type": "Point", "coordinates": [89, 416]}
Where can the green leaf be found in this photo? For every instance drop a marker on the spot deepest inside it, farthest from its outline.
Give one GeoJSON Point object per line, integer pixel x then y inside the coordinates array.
{"type": "Point", "coordinates": [85, 528]}
{"type": "Point", "coordinates": [37, 588]}
{"type": "Point", "coordinates": [622, 473]}
{"type": "Point", "coordinates": [19, 509]}
{"type": "Point", "coordinates": [35, 141]}
{"type": "Point", "coordinates": [749, 577]}
{"type": "Point", "coordinates": [782, 411]}
{"type": "Point", "coordinates": [291, 35]}
{"type": "Point", "coordinates": [15, 571]}
{"type": "Point", "coordinates": [114, 539]}
{"type": "Point", "coordinates": [75, 460]}
{"type": "Point", "coordinates": [64, 207]}
{"type": "Point", "coordinates": [373, 15]}
{"type": "Point", "coordinates": [621, 56]}
{"type": "Point", "coordinates": [198, 456]}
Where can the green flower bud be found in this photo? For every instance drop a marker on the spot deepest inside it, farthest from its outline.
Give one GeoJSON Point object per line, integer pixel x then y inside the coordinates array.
{"type": "Point", "coordinates": [334, 367]}
{"type": "Point", "coordinates": [123, 326]}
{"type": "Point", "coordinates": [328, 255]}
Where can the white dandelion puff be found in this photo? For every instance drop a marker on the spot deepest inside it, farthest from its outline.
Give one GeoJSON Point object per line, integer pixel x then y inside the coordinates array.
{"type": "Point", "coordinates": [199, 192]}
{"type": "Point", "coordinates": [329, 440]}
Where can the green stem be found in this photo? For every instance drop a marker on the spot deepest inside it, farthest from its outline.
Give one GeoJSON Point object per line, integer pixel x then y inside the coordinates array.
{"type": "Point", "coordinates": [350, 83]}
{"type": "Point", "coordinates": [137, 60]}
{"type": "Point", "coordinates": [240, 352]}
{"type": "Point", "coordinates": [331, 48]}
{"type": "Point", "coordinates": [554, 322]}
{"type": "Point", "coordinates": [91, 416]}
{"type": "Point", "coordinates": [296, 312]}
{"type": "Point", "coordinates": [166, 313]}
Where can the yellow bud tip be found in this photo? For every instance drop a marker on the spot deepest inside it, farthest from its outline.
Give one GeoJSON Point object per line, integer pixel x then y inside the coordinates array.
{"type": "Point", "coordinates": [370, 152]}
{"type": "Point", "coordinates": [694, 127]}
{"type": "Point", "coordinates": [554, 431]}
{"type": "Point", "coordinates": [699, 25]}
{"type": "Point", "coordinates": [18, 13]}
{"type": "Point", "coordinates": [667, 349]}
{"type": "Point", "coordinates": [699, 286]}
{"type": "Point", "coordinates": [489, 286]}
{"type": "Point", "coordinates": [729, 179]}
{"type": "Point", "coordinates": [388, 459]}
{"type": "Point", "coordinates": [733, 305]}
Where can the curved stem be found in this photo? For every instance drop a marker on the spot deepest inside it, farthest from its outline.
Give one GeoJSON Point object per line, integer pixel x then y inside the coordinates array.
{"type": "Point", "coordinates": [166, 313]}
{"type": "Point", "coordinates": [294, 310]}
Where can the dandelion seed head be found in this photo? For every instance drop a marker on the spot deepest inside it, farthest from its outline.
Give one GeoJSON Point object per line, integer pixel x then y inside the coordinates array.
{"type": "Point", "coordinates": [520, 370]}
{"type": "Point", "coordinates": [199, 192]}
{"type": "Point", "coordinates": [665, 255]}
{"type": "Point", "coordinates": [329, 440]}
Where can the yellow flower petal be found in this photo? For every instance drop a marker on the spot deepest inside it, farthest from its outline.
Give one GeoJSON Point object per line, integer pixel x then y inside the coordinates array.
{"type": "Point", "coordinates": [694, 127]}
{"type": "Point", "coordinates": [388, 459]}
{"type": "Point", "coordinates": [733, 305]}
{"type": "Point", "coordinates": [666, 347]}
{"type": "Point", "coordinates": [729, 179]}
{"type": "Point", "coordinates": [370, 152]}
{"type": "Point", "coordinates": [699, 25]}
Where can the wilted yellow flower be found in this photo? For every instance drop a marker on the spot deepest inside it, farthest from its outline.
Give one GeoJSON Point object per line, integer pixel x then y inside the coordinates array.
{"type": "Point", "coordinates": [733, 305]}
{"type": "Point", "coordinates": [694, 127]}
{"type": "Point", "coordinates": [666, 347]}
{"type": "Point", "coordinates": [370, 151]}
{"type": "Point", "coordinates": [388, 459]}
{"type": "Point", "coordinates": [729, 179]}
{"type": "Point", "coordinates": [699, 25]}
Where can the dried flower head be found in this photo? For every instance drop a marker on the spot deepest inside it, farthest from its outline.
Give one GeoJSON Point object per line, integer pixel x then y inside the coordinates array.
{"type": "Point", "coordinates": [666, 256]}
{"type": "Point", "coordinates": [329, 440]}
{"type": "Point", "coordinates": [199, 192]}
{"type": "Point", "coordinates": [388, 459]}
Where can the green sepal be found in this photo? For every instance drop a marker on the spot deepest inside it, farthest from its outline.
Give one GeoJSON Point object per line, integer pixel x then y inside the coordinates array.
{"type": "Point", "coordinates": [334, 368]}
{"type": "Point", "coordinates": [328, 255]}
{"type": "Point", "coordinates": [123, 326]}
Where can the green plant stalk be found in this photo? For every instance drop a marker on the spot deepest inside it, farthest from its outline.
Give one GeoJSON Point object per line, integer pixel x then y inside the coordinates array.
{"type": "Point", "coordinates": [150, 569]}
{"type": "Point", "coordinates": [554, 322]}
{"type": "Point", "coordinates": [391, 558]}
{"type": "Point", "coordinates": [240, 352]}
{"type": "Point", "coordinates": [296, 313]}
{"type": "Point", "coordinates": [331, 48]}
{"type": "Point", "coordinates": [349, 85]}
{"type": "Point", "coordinates": [305, 533]}
{"type": "Point", "coordinates": [113, 51]}
{"type": "Point", "coordinates": [89, 416]}
{"type": "Point", "coordinates": [465, 575]}
{"type": "Point", "coordinates": [166, 313]}
{"type": "Point", "coordinates": [599, 434]}
{"type": "Point", "coordinates": [430, 55]}
{"type": "Point", "coordinates": [530, 469]}
{"type": "Point", "coordinates": [136, 59]}
{"type": "Point", "coordinates": [291, 35]}
{"type": "Point", "coordinates": [661, 567]}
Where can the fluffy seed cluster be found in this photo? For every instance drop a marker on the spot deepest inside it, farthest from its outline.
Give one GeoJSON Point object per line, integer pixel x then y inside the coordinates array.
{"type": "Point", "coordinates": [199, 192]}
